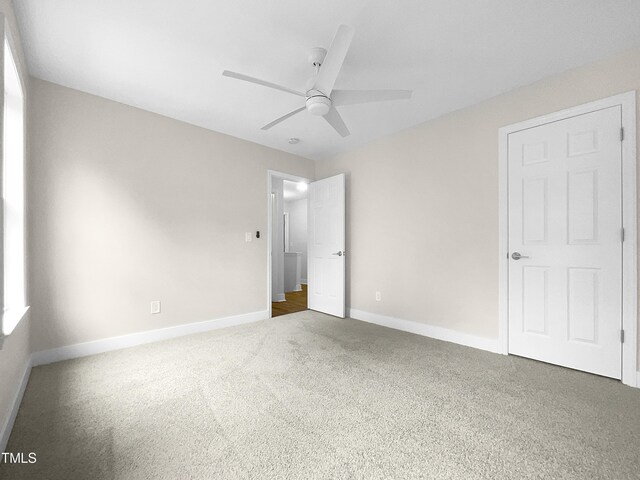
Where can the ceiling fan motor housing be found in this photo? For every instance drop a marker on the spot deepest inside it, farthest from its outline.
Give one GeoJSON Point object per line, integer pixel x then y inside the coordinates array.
{"type": "Point", "coordinates": [317, 103]}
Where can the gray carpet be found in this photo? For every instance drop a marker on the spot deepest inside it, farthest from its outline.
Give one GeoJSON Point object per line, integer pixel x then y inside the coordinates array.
{"type": "Point", "coordinates": [310, 396]}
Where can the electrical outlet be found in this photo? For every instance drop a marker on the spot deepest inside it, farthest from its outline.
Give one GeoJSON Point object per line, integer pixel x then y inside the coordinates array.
{"type": "Point", "coordinates": [378, 297]}
{"type": "Point", "coordinates": [247, 236]}
{"type": "Point", "coordinates": [155, 306]}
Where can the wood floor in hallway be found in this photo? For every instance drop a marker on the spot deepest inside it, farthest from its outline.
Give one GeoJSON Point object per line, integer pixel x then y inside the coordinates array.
{"type": "Point", "coordinates": [296, 302]}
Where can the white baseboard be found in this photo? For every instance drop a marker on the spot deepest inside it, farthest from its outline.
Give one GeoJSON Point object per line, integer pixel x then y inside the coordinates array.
{"type": "Point", "coordinates": [279, 297]}
{"type": "Point", "coordinates": [439, 333]}
{"type": "Point", "coordinates": [15, 406]}
{"type": "Point", "coordinates": [303, 281]}
{"type": "Point", "coordinates": [116, 343]}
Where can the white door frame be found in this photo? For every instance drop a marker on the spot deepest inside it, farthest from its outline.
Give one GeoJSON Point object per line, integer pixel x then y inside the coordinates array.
{"type": "Point", "coordinates": [270, 175]}
{"type": "Point", "coordinates": [627, 102]}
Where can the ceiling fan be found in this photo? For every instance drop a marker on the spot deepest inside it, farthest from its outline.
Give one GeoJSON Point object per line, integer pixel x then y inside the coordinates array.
{"type": "Point", "coordinates": [320, 98]}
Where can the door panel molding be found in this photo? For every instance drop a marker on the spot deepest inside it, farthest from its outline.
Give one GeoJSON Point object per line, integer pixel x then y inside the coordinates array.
{"type": "Point", "coordinates": [581, 145]}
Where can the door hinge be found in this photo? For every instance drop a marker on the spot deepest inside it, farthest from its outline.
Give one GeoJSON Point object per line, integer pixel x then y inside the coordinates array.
{"type": "Point", "coordinates": [621, 336]}
{"type": "Point", "coordinates": [622, 233]}
{"type": "Point", "coordinates": [621, 134]}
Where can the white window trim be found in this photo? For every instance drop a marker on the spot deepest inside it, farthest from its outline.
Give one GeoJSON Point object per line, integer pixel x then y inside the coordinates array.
{"type": "Point", "coordinates": [13, 317]}
{"type": "Point", "coordinates": [10, 319]}
{"type": "Point", "coordinates": [627, 101]}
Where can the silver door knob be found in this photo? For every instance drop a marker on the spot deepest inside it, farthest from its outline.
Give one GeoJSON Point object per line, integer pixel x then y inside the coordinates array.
{"type": "Point", "coordinates": [338, 253]}
{"type": "Point", "coordinates": [517, 256]}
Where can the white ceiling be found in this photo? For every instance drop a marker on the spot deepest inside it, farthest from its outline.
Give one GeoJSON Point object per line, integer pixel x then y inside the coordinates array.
{"type": "Point", "coordinates": [167, 56]}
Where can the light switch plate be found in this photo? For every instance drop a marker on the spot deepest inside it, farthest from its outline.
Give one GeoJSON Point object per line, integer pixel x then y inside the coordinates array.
{"type": "Point", "coordinates": [155, 307]}
{"type": "Point", "coordinates": [247, 236]}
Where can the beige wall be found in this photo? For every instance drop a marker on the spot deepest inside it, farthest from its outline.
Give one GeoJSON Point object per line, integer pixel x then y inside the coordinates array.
{"type": "Point", "coordinates": [423, 204]}
{"type": "Point", "coordinates": [15, 351]}
{"type": "Point", "coordinates": [127, 207]}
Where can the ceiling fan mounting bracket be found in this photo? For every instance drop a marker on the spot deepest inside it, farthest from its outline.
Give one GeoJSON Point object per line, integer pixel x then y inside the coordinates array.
{"type": "Point", "coordinates": [316, 56]}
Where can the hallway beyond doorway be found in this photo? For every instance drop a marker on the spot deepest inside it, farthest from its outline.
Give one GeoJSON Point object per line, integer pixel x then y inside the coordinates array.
{"type": "Point", "coordinates": [295, 302]}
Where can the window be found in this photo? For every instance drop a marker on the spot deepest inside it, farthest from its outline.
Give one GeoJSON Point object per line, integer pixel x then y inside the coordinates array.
{"type": "Point", "coordinates": [14, 301]}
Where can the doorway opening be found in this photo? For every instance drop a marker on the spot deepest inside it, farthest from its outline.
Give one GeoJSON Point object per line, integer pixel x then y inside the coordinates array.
{"type": "Point", "coordinates": [288, 240]}
{"type": "Point", "coordinates": [325, 245]}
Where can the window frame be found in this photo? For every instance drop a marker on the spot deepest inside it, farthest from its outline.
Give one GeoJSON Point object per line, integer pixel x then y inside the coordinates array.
{"type": "Point", "coordinates": [12, 315]}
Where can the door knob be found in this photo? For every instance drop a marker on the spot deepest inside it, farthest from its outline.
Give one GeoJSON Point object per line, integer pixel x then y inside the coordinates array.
{"type": "Point", "coordinates": [338, 253]}
{"type": "Point", "coordinates": [517, 256]}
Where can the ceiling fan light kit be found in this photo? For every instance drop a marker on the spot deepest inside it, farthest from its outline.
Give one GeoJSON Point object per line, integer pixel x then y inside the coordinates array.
{"type": "Point", "coordinates": [320, 97]}
{"type": "Point", "coordinates": [318, 104]}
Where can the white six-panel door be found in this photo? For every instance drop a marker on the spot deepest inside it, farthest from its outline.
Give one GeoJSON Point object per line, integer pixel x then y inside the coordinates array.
{"type": "Point", "coordinates": [326, 246]}
{"type": "Point", "coordinates": [565, 221]}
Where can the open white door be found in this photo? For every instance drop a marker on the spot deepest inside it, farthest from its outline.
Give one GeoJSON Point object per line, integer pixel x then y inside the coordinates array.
{"type": "Point", "coordinates": [326, 240]}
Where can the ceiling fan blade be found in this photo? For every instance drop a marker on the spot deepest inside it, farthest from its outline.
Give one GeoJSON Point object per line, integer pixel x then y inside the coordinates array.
{"type": "Point", "coordinates": [351, 97]}
{"type": "Point", "coordinates": [335, 120]}
{"type": "Point", "coordinates": [333, 60]}
{"type": "Point", "coordinates": [282, 119]}
{"type": "Point", "coordinates": [249, 79]}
